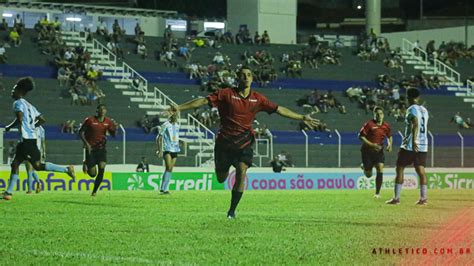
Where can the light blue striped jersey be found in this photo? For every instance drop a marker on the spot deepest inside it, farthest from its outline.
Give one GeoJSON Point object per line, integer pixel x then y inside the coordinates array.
{"type": "Point", "coordinates": [40, 134]}
{"type": "Point", "coordinates": [30, 113]}
{"type": "Point", "coordinates": [421, 114]}
{"type": "Point", "coordinates": [170, 134]}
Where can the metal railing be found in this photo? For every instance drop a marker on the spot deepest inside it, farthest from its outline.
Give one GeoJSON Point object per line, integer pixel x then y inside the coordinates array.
{"type": "Point", "coordinates": [415, 52]}
{"type": "Point", "coordinates": [124, 143]}
{"type": "Point", "coordinates": [452, 75]}
{"type": "Point", "coordinates": [131, 74]}
{"type": "Point", "coordinates": [470, 86]}
{"type": "Point", "coordinates": [462, 148]}
{"type": "Point", "coordinates": [205, 138]}
{"type": "Point", "coordinates": [112, 60]}
{"type": "Point", "coordinates": [161, 98]}
{"type": "Point", "coordinates": [257, 151]}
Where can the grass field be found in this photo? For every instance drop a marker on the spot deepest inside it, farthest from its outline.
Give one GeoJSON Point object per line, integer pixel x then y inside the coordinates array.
{"type": "Point", "coordinates": [272, 227]}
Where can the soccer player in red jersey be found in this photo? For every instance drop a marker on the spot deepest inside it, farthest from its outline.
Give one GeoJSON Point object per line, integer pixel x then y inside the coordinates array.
{"type": "Point", "coordinates": [237, 109]}
{"type": "Point", "coordinates": [93, 134]}
{"type": "Point", "coordinates": [372, 135]}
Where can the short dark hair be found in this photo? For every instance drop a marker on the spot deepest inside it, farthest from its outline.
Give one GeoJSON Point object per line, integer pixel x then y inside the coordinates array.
{"type": "Point", "coordinates": [101, 105]}
{"type": "Point", "coordinates": [244, 67]}
{"type": "Point", "coordinates": [25, 84]}
{"type": "Point", "coordinates": [413, 93]}
{"type": "Point", "coordinates": [376, 108]}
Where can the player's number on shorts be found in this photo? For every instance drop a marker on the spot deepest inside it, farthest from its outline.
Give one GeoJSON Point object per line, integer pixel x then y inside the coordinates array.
{"type": "Point", "coordinates": [423, 126]}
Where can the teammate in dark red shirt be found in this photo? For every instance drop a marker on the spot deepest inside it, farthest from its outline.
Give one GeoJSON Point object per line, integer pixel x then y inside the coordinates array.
{"type": "Point", "coordinates": [237, 109]}
{"type": "Point", "coordinates": [93, 133]}
{"type": "Point", "coordinates": [372, 135]}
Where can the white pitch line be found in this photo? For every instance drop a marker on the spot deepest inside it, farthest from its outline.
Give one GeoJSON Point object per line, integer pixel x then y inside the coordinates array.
{"type": "Point", "coordinates": [103, 258]}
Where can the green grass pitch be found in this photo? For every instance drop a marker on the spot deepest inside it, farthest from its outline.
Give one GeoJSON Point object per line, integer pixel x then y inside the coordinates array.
{"type": "Point", "coordinates": [272, 227]}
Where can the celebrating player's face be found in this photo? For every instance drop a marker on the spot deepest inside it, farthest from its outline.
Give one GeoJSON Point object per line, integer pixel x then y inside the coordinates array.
{"type": "Point", "coordinates": [379, 116]}
{"type": "Point", "coordinates": [245, 78]}
{"type": "Point", "coordinates": [101, 111]}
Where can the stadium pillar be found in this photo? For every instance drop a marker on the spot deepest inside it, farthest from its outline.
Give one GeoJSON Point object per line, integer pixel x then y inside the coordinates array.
{"type": "Point", "coordinates": [373, 14]}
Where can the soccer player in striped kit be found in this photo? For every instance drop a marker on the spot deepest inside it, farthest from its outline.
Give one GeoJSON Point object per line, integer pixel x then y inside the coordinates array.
{"type": "Point", "coordinates": [168, 147]}
{"type": "Point", "coordinates": [30, 171]}
{"type": "Point", "coordinates": [414, 147]}
{"type": "Point", "coordinates": [27, 120]}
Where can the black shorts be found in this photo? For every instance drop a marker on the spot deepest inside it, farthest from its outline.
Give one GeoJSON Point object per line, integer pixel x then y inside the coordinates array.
{"type": "Point", "coordinates": [370, 158]}
{"type": "Point", "coordinates": [27, 150]}
{"type": "Point", "coordinates": [95, 157]}
{"type": "Point", "coordinates": [226, 154]}
{"type": "Point", "coordinates": [172, 154]}
{"type": "Point", "coordinates": [406, 158]}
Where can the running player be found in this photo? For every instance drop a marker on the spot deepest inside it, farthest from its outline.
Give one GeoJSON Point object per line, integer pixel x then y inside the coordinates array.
{"type": "Point", "coordinates": [93, 133]}
{"type": "Point", "coordinates": [237, 109]}
{"type": "Point", "coordinates": [414, 146]}
{"type": "Point", "coordinates": [372, 135]}
{"type": "Point", "coordinates": [30, 171]}
{"type": "Point", "coordinates": [168, 147]}
{"type": "Point", "coordinates": [27, 120]}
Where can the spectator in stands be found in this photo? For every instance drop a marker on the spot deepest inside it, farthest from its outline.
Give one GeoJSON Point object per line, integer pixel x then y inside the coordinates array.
{"type": "Point", "coordinates": [56, 25]}
{"type": "Point", "coordinates": [141, 50]}
{"type": "Point", "coordinates": [170, 59]}
{"type": "Point", "coordinates": [138, 30]}
{"type": "Point", "coordinates": [457, 118]}
{"type": "Point", "coordinates": [70, 127]}
{"type": "Point", "coordinates": [168, 34]}
{"type": "Point", "coordinates": [285, 158]}
{"type": "Point", "coordinates": [227, 37]}
{"type": "Point", "coordinates": [111, 46]}
{"type": "Point", "coordinates": [145, 123]}
{"type": "Point", "coordinates": [277, 165]}
{"type": "Point", "coordinates": [294, 69]}
{"type": "Point", "coordinates": [218, 58]}
{"type": "Point", "coordinates": [265, 38]}
{"type": "Point", "coordinates": [4, 25]}
{"type": "Point", "coordinates": [3, 54]}
{"type": "Point", "coordinates": [15, 38]}
{"type": "Point", "coordinates": [63, 75]}
{"type": "Point", "coordinates": [143, 166]}
{"type": "Point", "coordinates": [102, 28]}
{"type": "Point", "coordinates": [92, 75]}
{"type": "Point", "coordinates": [44, 21]}
{"type": "Point", "coordinates": [257, 39]}
{"type": "Point", "coordinates": [116, 29]}
{"type": "Point", "coordinates": [18, 24]}
{"type": "Point", "coordinates": [185, 52]}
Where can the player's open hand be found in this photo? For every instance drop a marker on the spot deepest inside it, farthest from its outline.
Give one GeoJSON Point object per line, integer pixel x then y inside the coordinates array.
{"type": "Point", "coordinates": [88, 148]}
{"type": "Point", "coordinates": [311, 122]}
{"type": "Point", "coordinates": [159, 153]}
{"type": "Point", "coordinates": [173, 109]}
{"type": "Point", "coordinates": [377, 148]}
{"type": "Point", "coordinates": [7, 128]}
{"type": "Point", "coordinates": [415, 147]}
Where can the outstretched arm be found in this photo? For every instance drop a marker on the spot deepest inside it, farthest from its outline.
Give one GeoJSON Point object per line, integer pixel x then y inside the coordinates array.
{"type": "Point", "coordinates": [196, 103]}
{"type": "Point", "coordinates": [283, 111]}
{"type": "Point", "coordinates": [14, 123]}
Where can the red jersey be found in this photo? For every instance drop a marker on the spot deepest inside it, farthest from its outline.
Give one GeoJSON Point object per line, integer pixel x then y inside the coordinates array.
{"type": "Point", "coordinates": [95, 131]}
{"type": "Point", "coordinates": [375, 133]}
{"type": "Point", "coordinates": [237, 114]}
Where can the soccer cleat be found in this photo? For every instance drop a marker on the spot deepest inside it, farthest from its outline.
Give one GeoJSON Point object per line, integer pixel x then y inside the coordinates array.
{"type": "Point", "coordinates": [93, 194]}
{"type": "Point", "coordinates": [230, 215]}
{"type": "Point", "coordinates": [29, 192]}
{"type": "Point", "coordinates": [393, 201]}
{"type": "Point", "coordinates": [377, 196]}
{"type": "Point", "coordinates": [7, 196]}
{"type": "Point", "coordinates": [422, 202]}
{"type": "Point", "coordinates": [70, 172]}
{"type": "Point", "coordinates": [165, 192]}
{"type": "Point", "coordinates": [38, 188]}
